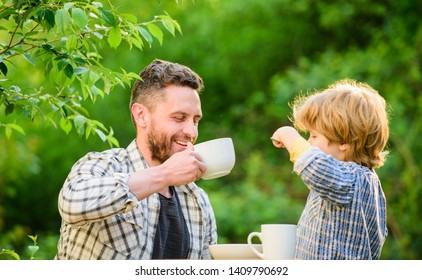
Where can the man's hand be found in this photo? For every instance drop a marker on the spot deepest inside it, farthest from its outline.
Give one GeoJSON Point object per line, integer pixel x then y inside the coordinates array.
{"type": "Point", "coordinates": [184, 167]}
{"type": "Point", "coordinates": [181, 168]}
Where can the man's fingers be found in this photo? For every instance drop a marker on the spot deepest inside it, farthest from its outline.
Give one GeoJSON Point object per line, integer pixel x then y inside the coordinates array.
{"type": "Point", "coordinates": [189, 146]}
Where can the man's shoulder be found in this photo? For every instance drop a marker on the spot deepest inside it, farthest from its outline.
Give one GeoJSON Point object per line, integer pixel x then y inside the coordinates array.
{"type": "Point", "coordinates": [114, 153]}
{"type": "Point", "coordinates": [118, 155]}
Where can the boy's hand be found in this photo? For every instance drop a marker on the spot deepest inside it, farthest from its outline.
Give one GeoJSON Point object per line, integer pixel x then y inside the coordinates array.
{"type": "Point", "coordinates": [284, 137]}
{"type": "Point", "coordinates": [277, 143]}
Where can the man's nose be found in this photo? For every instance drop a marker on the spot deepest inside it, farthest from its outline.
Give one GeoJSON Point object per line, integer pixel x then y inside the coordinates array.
{"type": "Point", "coordinates": [191, 130]}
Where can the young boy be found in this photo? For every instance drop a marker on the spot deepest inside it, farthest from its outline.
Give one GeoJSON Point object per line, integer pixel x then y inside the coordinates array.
{"type": "Point", "coordinates": [345, 213]}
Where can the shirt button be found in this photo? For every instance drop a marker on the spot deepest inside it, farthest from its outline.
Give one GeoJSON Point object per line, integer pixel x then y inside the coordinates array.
{"type": "Point", "coordinates": [156, 205]}
{"type": "Point", "coordinates": [127, 216]}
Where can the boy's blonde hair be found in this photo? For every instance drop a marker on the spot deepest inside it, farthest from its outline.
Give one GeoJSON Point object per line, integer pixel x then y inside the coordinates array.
{"type": "Point", "coordinates": [347, 112]}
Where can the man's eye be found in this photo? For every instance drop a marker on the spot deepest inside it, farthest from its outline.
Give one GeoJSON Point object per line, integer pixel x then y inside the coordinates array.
{"type": "Point", "coordinates": [179, 119]}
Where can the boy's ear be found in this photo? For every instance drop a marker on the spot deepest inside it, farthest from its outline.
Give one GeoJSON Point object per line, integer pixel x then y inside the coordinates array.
{"type": "Point", "coordinates": [344, 147]}
{"type": "Point", "coordinates": [139, 114]}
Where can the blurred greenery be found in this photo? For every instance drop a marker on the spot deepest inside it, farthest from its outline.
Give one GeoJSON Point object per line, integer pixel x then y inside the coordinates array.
{"type": "Point", "coordinates": [254, 57]}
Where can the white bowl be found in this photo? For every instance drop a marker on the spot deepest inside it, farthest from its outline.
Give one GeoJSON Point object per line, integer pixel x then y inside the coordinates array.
{"type": "Point", "coordinates": [234, 251]}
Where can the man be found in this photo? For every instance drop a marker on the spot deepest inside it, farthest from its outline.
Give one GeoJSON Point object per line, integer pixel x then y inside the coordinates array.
{"type": "Point", "coordinates": [141, 202]}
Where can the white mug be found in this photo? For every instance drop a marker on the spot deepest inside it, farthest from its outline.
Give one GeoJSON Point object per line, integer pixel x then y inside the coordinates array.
{"type": "Point", "coordinates": [278, 241]}
{"type": "Point", "coordinates": [218, 155]}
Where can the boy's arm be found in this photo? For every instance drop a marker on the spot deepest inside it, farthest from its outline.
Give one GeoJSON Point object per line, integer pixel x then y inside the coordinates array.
{"type": "Point", "coordinates": [337, 185]}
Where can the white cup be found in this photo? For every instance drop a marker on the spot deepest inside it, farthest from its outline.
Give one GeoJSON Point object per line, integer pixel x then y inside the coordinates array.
{"type": "Point", "coordinates": [218, 155]}
{"type": "Point", "coordinates": [278, 241]}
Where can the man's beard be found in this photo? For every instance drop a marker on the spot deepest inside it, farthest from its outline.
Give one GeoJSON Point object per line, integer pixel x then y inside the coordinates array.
{"type": "Point", "coordinates": [159, 145]}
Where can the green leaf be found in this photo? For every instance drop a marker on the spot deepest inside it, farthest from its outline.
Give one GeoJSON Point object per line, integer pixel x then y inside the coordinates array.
{"type": "Point", "coordinates": [71, 42]}
{"type": "Point", "coordinates": [137, 41]}
{"type": "Point", "coordinates": [111, 140]}
{"type": "Point", "coordinates": [62, 19]}
{"type": "Point", "coordinates": [49, 48]}
{"type": "Point", "coordinates": [6, 12]}
{"type": "Point", "coordinates": [9, 108]}
{"type": "Point", "coordinates": [10, 253]}
{"type": "Point", "coordinates": [90, 78]}
{"type": "Point", "coordinates": [33, 238]}
{"type": "Point", "coordinates": [79, 18]}
{"type": "Point", "coordinates": [98, 35]}
{"type": "Point", "coordinates": [156, 32]}
{"type": "Point", "coordinates": [98, 124]}
{"type": "Point", "coordinates": [29, 58]}
{"type": "Point", "coordinates": [101, 135]}
{"type": "Point", "coordinates": [95, 91]}
{"type": "Point", "coordinates": [79, 121]}
{"type": "Point", "coordinates": [49, 17]}
{"type": "Point", "coordinates": [16, 127]}
{"type": "Point", "coordinates": [8, 132]}
{"type": "Point", "coordinates": [177, 26]}
{"type": "Point", "coordinates": [31, 33]}
{"type": "Point", "coordinates": [134, 75]}
{"type": "Point", "coordinates": [3, 68]}
{"type": "Point", "coordinates": [170, 24]}
{"type": "Point", "coordinates": [62, 63]}
{"type": "Point", "coordinates": [114, 37]}
{"type": "Point", "coordinates": [64, 112]}
{"type": "Point", "coordinates": [65, 125]}
{"type": "Point", "coordinates": [68, 71]}
{"type": "Point", "coordinates": [107, 16]}
{"type": "Point", "coordinates": [33, 249]}
{"type": "Point", "coordinates": [131, 18]}
{"type": "Point", "coordinates": [80, 70]}
{"type": "Point", "coordinates": [59, 77]}
{"type": "Point", "coordinates": [147, 36]}
{"type": "Point", "coordinates": [87, 132]}
{"type": "Point", "coordinates": [79, 60]}
{"type": "Point", "coordinates": [68, 5]}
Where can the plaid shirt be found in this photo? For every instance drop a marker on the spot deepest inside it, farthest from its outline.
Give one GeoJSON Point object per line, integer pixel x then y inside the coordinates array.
{"type": "Point", "coordinates": [103, 219]}
{"type": "Point", "coordinates": [345, 213]}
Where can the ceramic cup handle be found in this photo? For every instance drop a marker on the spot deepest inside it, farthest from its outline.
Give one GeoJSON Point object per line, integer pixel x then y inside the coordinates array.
{"type": "Point", "coordinates": [250, 236]}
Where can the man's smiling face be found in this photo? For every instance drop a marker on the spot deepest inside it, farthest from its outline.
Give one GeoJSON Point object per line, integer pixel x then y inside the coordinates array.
{"type": "Point", "coordinates": [174, 122]}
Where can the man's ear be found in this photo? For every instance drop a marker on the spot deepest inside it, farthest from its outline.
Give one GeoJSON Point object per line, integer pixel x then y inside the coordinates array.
{"type": "Point", "coordinates": [140, 114]}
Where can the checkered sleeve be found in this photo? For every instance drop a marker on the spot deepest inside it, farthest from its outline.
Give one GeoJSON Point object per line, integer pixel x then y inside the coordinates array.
{"type": "Point", "coordinates": [328, 177]}
{"type": "Point", "coordinates": [96, 188]}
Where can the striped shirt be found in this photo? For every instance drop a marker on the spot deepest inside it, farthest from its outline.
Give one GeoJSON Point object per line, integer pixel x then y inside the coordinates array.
{"type": "Point", "coordinates": [345, 213]}
{"type": "Point", "coordinates": [103, 219]}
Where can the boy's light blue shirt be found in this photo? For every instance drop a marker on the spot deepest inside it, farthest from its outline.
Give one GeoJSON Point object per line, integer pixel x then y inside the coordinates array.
{"type": "Point", "coordinates": [345, 213]}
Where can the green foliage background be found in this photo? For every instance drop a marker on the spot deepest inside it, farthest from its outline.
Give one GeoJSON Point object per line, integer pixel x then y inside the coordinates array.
{"type": "Point", "coordinates": [254, 57]}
